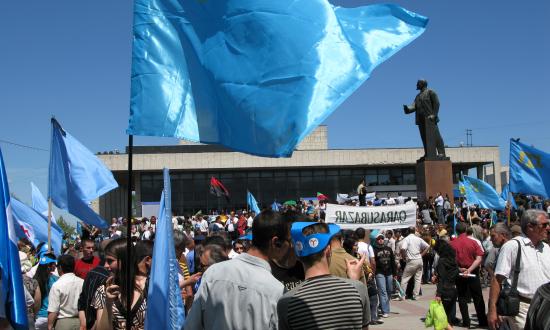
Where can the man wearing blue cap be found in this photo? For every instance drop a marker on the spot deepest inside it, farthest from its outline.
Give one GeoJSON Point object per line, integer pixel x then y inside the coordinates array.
{"type": "Point", "coordinates": [312, 304]}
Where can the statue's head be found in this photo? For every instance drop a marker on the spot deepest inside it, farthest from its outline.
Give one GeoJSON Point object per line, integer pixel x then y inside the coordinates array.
{"type": "Point", "coordinates": [421, 84]}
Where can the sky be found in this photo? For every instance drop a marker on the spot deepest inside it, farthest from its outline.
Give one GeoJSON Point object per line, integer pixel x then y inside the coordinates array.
{"type": "Point", "coordinates": [487, 60]}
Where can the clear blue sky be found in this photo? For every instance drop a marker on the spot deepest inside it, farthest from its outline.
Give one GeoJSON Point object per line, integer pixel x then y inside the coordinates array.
{"type": "Point", "coordinates": [488, 61]}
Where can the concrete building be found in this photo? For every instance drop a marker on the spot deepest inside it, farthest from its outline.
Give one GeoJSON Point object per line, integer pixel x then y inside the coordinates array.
{"type": "Point", "coordinates": [312, 168]}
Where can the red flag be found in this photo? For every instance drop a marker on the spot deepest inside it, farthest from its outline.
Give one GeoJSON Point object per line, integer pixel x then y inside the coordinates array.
{"type": "Point", "coordinates": [321, 196]}
{"type": "Point", "coordinates": [218, 189]}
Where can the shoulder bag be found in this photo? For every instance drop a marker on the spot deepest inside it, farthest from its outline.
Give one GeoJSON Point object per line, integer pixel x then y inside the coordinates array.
{"type": "Point", "coordinates": [508, 299]}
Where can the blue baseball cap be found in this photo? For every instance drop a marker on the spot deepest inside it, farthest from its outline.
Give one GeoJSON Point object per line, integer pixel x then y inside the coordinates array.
{"type": "Point", "coordinates": [45, 260]}
{"type": "Point", "coordinates": [311, 244]}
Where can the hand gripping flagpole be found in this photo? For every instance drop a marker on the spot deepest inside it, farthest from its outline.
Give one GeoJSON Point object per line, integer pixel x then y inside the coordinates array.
{"type": "Point", "coordinates": [129, 286]}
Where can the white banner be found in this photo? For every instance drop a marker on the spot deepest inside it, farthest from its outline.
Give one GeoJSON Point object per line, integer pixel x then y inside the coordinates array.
{"type": "Point", "coordinates": [372, 217]}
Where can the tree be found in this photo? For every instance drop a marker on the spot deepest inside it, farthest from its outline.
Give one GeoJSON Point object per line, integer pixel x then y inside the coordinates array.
{"type": "Point", "coordinates": [67, 229]}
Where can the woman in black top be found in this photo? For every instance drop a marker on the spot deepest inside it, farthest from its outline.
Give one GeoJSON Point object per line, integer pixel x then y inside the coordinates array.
{"type": "Point", "coordinates": [446, 272]}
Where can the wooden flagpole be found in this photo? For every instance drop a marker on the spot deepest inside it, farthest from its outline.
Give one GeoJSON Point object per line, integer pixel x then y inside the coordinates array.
{"type": "Point", "coordinates": [50, 224]}
{"type": "Point", "coordinates": [129, 286]}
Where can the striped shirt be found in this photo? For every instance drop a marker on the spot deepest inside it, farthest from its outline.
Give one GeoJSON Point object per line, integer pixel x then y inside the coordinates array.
{"type": "Point", "coordinates": [325, 302]}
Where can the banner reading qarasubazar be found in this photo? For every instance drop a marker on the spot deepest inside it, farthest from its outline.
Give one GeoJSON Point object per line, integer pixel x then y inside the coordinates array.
{"type": "Point", "coordinates": [377, 217]}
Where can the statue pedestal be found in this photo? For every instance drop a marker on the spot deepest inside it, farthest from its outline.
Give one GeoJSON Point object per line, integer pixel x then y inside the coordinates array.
{"type": "Point", "coordinates": [433, 176]}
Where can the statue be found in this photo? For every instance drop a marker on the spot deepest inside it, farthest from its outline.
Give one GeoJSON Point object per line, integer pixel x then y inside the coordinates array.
{"type": "Point", "coordinates": [426, 107]}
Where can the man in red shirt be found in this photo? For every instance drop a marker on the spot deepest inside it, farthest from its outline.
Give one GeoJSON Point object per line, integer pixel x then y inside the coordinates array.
{"type": "Point", "coordinates": [241, 224]}
{"type": "Point", "coordinates": [88, 260]}
{"type": "Point", "coordinates": [468, 257]}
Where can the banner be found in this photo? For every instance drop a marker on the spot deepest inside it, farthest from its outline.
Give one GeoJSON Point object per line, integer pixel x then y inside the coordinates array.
{"type": "Point", "coordinates": [373, 217]}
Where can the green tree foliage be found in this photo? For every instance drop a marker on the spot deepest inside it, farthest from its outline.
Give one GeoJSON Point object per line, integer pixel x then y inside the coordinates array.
{"type": "Point", "coordinates": [67, 229]}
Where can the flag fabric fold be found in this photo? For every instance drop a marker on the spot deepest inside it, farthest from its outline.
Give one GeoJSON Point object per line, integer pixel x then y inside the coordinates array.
{"type": "Point", "coordinates": [39, 203]}
{"type": "Point", "coordinates": [252, 204]}
{"type": "Point", "coordinates": [529, 170]}
{"type": "Point", "coordinates": [76, 177]}
{"type": "Point", "coordinates": [507, 196]}
{"type": "Point", "coordinates": [218, 189]}
{"type": "Point", "coordinates": [481, 193]}
{"type": "Point", "coordinates": [254, 76]}
{"type": "Point", "coordinates": [164, 303]}
{"type": "Point", "coordinates": [34, 226]}
{"type": "Point", "coordinates": [12, 300]}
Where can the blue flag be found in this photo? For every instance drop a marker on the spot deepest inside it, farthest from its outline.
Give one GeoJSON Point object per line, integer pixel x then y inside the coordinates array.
{"type": "Point", "coordinates": [481, 193]}
{"type": "Point", "coordinates": [254, 76]}
{"type": "Point", "coordinates": [164, 304]}
{"type": "Point", "coordinates": [76, 177]}
{"type": "Point", "coordinates": [529, 170]}
{"type": "Point", "coordinates": [12, 300]}
{"type": "Point", "coordinates": [275, 206]}
{"type": "Point", "coordinates": [507, 196]}
{"type": "Point", "coordinates": [39, 203]}
{"type": "Point", "coordinates": [252, 204]}
{"type": "Point", "coordinates": [34, 226]}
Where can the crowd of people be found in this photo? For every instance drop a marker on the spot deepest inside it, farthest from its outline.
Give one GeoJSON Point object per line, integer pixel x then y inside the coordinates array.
{"type": "Point", "coordinates": [288, 269]}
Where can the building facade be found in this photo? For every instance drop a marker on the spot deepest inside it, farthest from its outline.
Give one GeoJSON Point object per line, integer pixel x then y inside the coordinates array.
{"type": "Point", "coordinates": [312, 168]}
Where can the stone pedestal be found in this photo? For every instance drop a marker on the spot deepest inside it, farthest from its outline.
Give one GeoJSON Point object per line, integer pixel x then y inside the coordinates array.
{"type": "Point", "coordinates": [433, 176]}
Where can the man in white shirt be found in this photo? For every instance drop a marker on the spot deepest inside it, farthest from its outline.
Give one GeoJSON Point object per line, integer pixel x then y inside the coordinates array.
{"type": "Point", "coordinates": [203, 226]}
{"type": "Point", "coordinates": [534, 267]}
{"type": "Point", "coordinates": [364, 248]}
{"type": "Point", "coordinates": [250, 219]}
{"type": "Point", "coordinates": [63, 297]}
{"type": "Point", "coordinates": [439, 200]}
{"type": "Point", "coordinates": [413, 248]}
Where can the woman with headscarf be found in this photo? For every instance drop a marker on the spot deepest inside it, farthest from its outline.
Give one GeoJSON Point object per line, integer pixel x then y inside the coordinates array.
{"type": "Point", "coordinates": [446, 272]}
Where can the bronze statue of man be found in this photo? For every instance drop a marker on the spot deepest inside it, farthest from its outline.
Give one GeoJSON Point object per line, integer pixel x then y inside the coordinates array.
{"type": "Point", "coordinates": [426, 108]}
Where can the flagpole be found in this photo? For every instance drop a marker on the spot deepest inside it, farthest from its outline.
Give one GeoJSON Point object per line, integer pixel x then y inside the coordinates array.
{"type": "Point", "coordinates": [50, 224]}
{"type": "Point", "coordinates": [129, 286]}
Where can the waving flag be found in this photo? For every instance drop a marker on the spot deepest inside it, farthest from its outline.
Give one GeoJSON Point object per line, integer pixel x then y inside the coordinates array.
{"type": "Point", "coordinates": [275, 206]}
{"type": "Point", "coordinates": [321, 196]}
{"type": "Point", "coordinates": [529, 170]}
{"type": "Point", "coordinates": [164, 304]}
{"type": "Point", "coordinates": [218, 189]}
{"type": "Point", "coordinates": [39, 203]}
{"type": "Point", "coordinates": [481, 193]}
{"type": "Point", "coordinates": [76, 177]}
{"type": "Point", "coordinates": [254, 76]}
{"type": "Point", "coordinates": [252, 204]}
{"type": "Point", "coordinates": [34, 226]}
{"type": "Point", "coordinates": [12, 300]}
{"type": "Point", "coordinates": [507, 196]}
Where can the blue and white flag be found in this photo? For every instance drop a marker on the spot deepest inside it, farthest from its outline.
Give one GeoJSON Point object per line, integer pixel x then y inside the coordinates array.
{"type": "Point", "coordinates": [34, 226]}
{"type": "Point", "coordinates": [12, 300]}
{"type": "Point", "coordinates": [481, 193]}
{"type": "Point", "coordinates": [529, 170]}
{"type": "Point", "coordinates": [39, 203]}
{"type": "Point", "coordinates": [275, 206]}
{"type": "Point", "coordinates": [252, 204]}
{"type": "Point", "coordinates": [506, 194]}
{"type": "Point", "coordinates": [164, 304]}
{"type": "Point", "coordinates": [76, 177]}
{"type": "Point", "coordinates": [254, 76]}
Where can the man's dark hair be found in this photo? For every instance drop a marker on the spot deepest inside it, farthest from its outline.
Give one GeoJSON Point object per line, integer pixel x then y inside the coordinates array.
{"type": "Point", "coordinates": [461, 228]}
{"type": "Point", "coordinates": [217, 254]}
{"type": "Point", "coordinates": [214, 240]}
{"type": "Point", "coordinates": [311, 259]}
{"type": "Point", "coordinates": [360, 233]}
{"type": "Point", "coordinates": [87, 240]}
{"type": "Point", "coordinates": [66, 263]}
{"type": "Point", "coordinates": [412, 230]}
{"type": "Point", "coordinates": [143, 249]}
{"type": "Point", "coordinates": [180, 241]}
{"type": "Point", "coordinates": [269, 224]}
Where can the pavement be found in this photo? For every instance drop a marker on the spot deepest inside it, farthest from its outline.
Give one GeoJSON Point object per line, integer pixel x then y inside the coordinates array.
{"type": "Point", "coordinates": [410, 314]}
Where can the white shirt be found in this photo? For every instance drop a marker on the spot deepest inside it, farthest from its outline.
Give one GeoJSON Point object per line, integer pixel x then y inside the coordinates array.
{"type": "Point", "coordinates": [390, 201]}
{"type": "Point", "coordinates": [250, 221]}
{"type": "Point", "coordinates": [414, 245]}
{"type": "Point", "coordinates": [366, 249]}
{"type": "Point", "coordinates": [534, 265]}
{"type": "Point", "coordinates": [63, 298]}
{"type": "Point", "coordinates": [439, 200]}
{"type": "Point", "coordinates": [400, 200]}
{"type": "Point", "coordinates": [203, 225]}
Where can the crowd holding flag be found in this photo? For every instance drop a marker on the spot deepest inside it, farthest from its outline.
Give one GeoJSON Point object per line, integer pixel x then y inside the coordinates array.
{"type": "Point", "coordinates": [12, 298]}
{"type": "Point", "coordinates": [252, 204]}
{"type": "Point", "coordinates": [529, 171]}
{"type": "Point", "coordinates": [76, 177]}
{"type": "Point", "coordinates": [164, 302]}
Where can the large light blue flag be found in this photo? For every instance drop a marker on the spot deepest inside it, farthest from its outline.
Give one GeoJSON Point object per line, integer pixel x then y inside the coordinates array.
{"type": "Point", "coordinates": [12, 300]}
{"type": "Point", "coordinates": [164, 304]}
{"type": "Point", "coordinates": [507, 196]}
{"type": "Point", "coordinates": [481, 193]}
{"type": "Point", "coordinates": [252, 204]}
{"type": "Point", "coordinates": [39, 203]}
{"type": "Point", "coordinates": [529, 170]}
{"type": "Point", "coordinates": [34, 226]}
{"type": "Point", "coordinates": [76, 177]}
{"type": "Point", "coordinates": [255, 76]}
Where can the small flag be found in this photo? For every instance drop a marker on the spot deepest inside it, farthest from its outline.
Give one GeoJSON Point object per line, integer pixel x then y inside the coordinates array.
{"type": "Point", "coordinates": [12, 299]}
{"type": "Point", "coordinates": [529, 170]}
{"type": "Point", "coordinates": [217, 71]}
{"type": "Point", "coordinates": [481, 193]}
{"type": "Point", "coordinates": [164, 304]}
{"type": "Point", "coordinates": [218, 189]}
{"type": "Point", "coordinates": [252, 204]}
{"type": "Point", "coordinates": [275, 206]}
{"type": "Point", "coordinates": [321, 197]}
{"type": "Point", "coordinates": [34, 225]}
{"type": "Point", "coordinates": [76, 177]}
